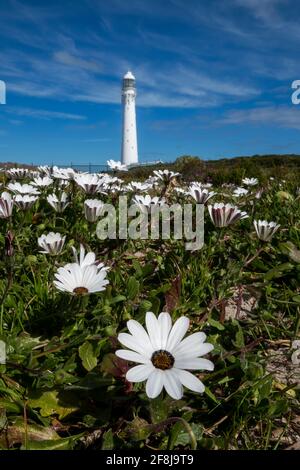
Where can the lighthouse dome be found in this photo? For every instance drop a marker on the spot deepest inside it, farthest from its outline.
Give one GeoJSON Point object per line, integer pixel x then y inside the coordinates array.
{"type": "Point", "coordinates": [129, 76]}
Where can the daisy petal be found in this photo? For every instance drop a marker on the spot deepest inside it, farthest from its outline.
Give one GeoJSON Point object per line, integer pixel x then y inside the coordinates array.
{"type": "Point", "coordinates": [195, 351]}
{"type": "Point", "coordinates": [178, 331]}
{"type": "Point", "coordinates": [165, 324]}
{"type": "Point", "coordinates": [153, 330]}
{"type": "Point", "coordinates": [189, 380]}
{"type": "Point", "coordinates": [89, 259]}
{"type": "Point", "coordinates": [154, 383]}
{"type": "Point", "coordinates": [172, 384]}
{"type": "Point", "coordinates": [131, 356]}
{"type": "Point", "coordinates": [139, 373]}
{"type": "Point", "coordinates": [190, 343]}
{"type": "Point", "coordinates": [194, 363]}
{"type": "Point", "coordinates": [138, 331]}
{"type": "Point", "coordinates": [131, 342]}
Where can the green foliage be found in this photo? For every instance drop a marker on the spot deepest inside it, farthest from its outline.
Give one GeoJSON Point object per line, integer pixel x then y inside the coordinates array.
{"type": "Point", "coordinates": [62, 386]}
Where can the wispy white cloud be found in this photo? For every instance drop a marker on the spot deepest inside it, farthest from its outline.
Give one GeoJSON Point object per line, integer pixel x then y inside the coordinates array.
{"type": "Point", "coordinates": [65, 58]}
{"type": "Point", "coordinates": [279, 116]}
{"type": "Point", "coordinates": [74, 77]}
{"type": "Point", "coordinates": [194, 73]}
{"type": "Point", "coordinates": [42, 113]}
{"type": "Point", "coordinates": [69, 69]}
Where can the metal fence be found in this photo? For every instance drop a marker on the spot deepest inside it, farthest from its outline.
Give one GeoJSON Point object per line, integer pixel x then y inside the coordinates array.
{"type": "Point", "coordinates": [88, 167]}
{"type": "Point", "coordinates": [91, 168]}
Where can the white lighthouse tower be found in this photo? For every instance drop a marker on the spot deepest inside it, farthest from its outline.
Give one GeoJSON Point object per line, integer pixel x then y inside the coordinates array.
{"type": "Point", "coordinates": [129, 142]}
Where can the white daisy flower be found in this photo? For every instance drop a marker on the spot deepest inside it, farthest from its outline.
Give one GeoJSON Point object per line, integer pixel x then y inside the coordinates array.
{"type": "Point", "coordinates": [59, 203]}
{"type": "Point", "coordinates": [111, 183]}
{"type": "Point", "coordinates": [200, 195]}
{"type": "Point", "coordinates": [52, 243]}
{"type": "Point", "coordinates": [200, 185]}
{"type": "Point", "coordinates": [81, 280]}
{"type": "Point", "coordinates": [181, 191]}
{"type": "Point", "coordinates": [92, 209]}
{"type": "Point", "coordinates": [164, 357]}
{"type": "Point", "coordinates": [146, 202]}
{"type": "Point", "coordinates": [34, 173]}
{"type": "Point", "coordinates": [153, 180]}
{"type": "Point", "coordinates": [6, 205]}
{"type": "Point", "coordinates": [165, 175]}
{"type": "Point", "coordinates": [265, 230]}
{"type": "Point", "coordinates": [25, 201]}
{"type": "Point", "coordinates": [138, 186]}
{"type": "Point", "coordinates": [89, 182]}
{"type": "Point", "coordinates": [63, 183]}
{"type": "Point", "coordinates": [17, 173]}
{"type": "Point", "coordinates": [116, 166]}
{"type": "Point", "coordinates": [240, 192]}
{"type": "Point", "coordinates": [250, 181]}
{"type": "Point", "coordinates": [116, 188]}
{"type": "Point", "coordinates": [42, 182]}
{"type": "Point", "coordinates": [22, 188]}
{"type": "Point", "coordinates": [225, 214]}
{"type": "Point", "coordinates": [63, 173]}
{"type": "Point", "coordinates": [107, 179]}
{"type": "Point", "coordinates": [45, 170]}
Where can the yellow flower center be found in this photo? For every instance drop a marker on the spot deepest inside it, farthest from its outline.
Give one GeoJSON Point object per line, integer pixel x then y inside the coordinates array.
{"type": "Point", "coordinates": [162, 360]}
{"type": "Point", "coordinates": [80, 290]}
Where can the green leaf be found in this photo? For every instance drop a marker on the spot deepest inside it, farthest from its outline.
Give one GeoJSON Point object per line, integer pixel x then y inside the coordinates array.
{"type": "Point", "coordinates": [284, 196]}
{"type": "Point", "coordinates": [133, 288]}
{"type": "Point", "coordinates": [65, 443]}
{"type": "Point", "coordinates": [86, 354]}
{"type": "Point", "coordinates": [11, 407]}
{"type": "Point", "coordinates": [138, 429]}
{"type": "Point", "coordinates": [278, 271]}
{"type": "Point", "coordinates": [91, 381]}
{"type": "Point", "coordinates": [180, 437]}
{"type": "Point", "coordinates": [145, 306]}
{"type": "Point", "coordinates": [52, 402]}
{"type": "Point", "coordinates": [108, 440]}
{"type": "Point", "coordinates": [216, 324]}
{"type": "Point", "coordinates": [278, 408]}
{"type": "Point", "coordinates": [210, 394]}
{"type": "Point", "coordinates": [137, 266]}
{"type": "Point", "coordinates": [239, 339]}
{"type": "Point", "coordinates": [17, 432]}
{"type": "Point", "coordinates": [117, 299]}
{"type": "Point", "coordinates": [159, 409]}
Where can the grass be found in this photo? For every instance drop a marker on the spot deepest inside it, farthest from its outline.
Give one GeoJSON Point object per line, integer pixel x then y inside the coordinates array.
{"type": "Point", "coordinates": [62, 387]}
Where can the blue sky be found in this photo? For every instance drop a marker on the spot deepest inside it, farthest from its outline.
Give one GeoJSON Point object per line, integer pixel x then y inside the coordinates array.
{"type": "Point", "coordinates": [213, 78]}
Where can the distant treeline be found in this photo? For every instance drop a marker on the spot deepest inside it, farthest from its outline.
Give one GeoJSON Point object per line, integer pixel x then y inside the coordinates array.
{"type": "Point", "coordinates": [230, 169]}
{"type": "Point", "coordinates": [218, 171]}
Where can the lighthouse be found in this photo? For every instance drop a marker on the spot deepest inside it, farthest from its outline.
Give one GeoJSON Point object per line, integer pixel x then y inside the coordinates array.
{"type": "Point", "coordinates": [129, 141]}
